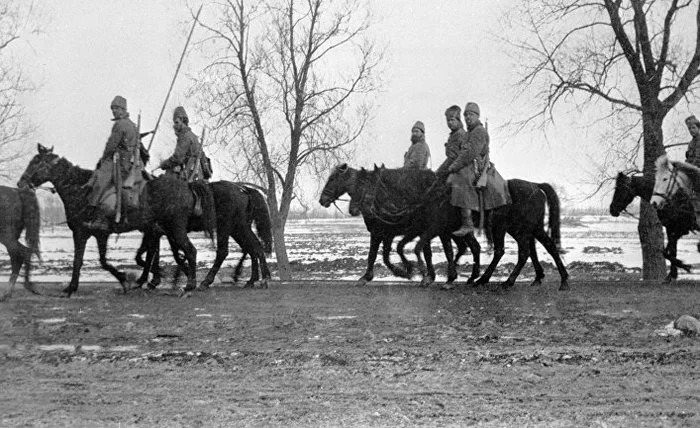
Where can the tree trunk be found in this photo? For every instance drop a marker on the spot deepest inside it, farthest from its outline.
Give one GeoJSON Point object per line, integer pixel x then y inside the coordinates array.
{"type": "Point", "coordinates": [651, 237]}
{"type": "Point", "coordinates": [283, 268]}
{"type": "Point", "coordinates": [650, 231]}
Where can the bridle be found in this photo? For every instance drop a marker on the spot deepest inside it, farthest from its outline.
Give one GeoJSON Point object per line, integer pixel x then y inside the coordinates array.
{"type": "Point", "coordinates": [673, 180]}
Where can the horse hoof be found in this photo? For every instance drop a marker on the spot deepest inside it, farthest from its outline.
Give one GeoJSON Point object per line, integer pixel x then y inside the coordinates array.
{"type": "Point", "coordinates": [263, 284]}
{"type": "Point", "coordinates": [536, 283]}
{"type": "Point", "coordinates": [448, 286]}
{"type": "Point", "coordinates": [152, 285]}
{"type": "Point", "coordinates": [507, 284]}
{"type": "Point", "coordinates": [31, 288]}
{"type": "Point", "coordinates": [362, 282]}
{"type": "Point", "coordinates": [185, 292]}
{"type": "Point", "coordinates": [426, 282]}
{"type": "Point", "coordinates": [249, 284]}
{"type": "Point", "coordinates": [564, 285]}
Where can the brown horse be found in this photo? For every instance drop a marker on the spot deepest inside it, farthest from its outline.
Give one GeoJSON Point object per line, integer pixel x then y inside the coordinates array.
{"type": "Point", "coordinates": [19, 210]}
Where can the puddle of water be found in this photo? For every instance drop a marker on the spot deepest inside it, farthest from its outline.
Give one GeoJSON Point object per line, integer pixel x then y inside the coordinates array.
{"type": "Point", "coordinates": [137, 316]}
{"type": "Point", "coordinates": [203, 315]}
{"type": "Point", "coordinates": [336, 317]}
{"type": "Point", "coordinates": [70, 348]}
{"type": "Point", "coordinates": [90, 348]}
{"type": "Point", "coordinates": [126, 348]}
{"type": "Point", "coordinates": [53, 320]}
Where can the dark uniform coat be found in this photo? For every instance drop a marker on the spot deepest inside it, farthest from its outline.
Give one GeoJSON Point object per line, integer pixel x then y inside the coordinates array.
{"type": "Point", "coordinates": [183, 162]}
{"type": "Point", "coordinates": [692, 155]}
{"type": "Point", "coordinates": [467, 167]}
{"type": "Point", "coordinates": [454, 142]}
{"type": "Point", "coordinates": [417, 155]}
{"type": "Point", "coordinates": [122, 140]}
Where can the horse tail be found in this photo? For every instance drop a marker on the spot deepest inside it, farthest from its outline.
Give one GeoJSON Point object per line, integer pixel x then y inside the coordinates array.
{"type": "Point", "coordinates": [554, 212]}
{"type": "Point", "coordinates": [260, 214]}
{"type": "Point", "coordinates": [206, 196]}
{"type": "Point", "coordinates": [31, 216]}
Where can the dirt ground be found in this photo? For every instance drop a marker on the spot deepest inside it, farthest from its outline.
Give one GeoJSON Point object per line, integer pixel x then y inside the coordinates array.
{"type": "Point", "coordinates": [323, 353]}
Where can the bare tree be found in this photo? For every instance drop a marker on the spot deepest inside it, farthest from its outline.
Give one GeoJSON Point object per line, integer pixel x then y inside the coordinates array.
{"type": "Point", "coordinates": [288, 91]}
{"type": "Point", "coordinates": [16, 22]}
{"type": "Point", "coordinates": [626, 62]}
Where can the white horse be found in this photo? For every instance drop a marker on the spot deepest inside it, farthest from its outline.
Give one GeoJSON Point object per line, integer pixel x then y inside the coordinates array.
{"type": "Point", "coordinates": [672, 176]}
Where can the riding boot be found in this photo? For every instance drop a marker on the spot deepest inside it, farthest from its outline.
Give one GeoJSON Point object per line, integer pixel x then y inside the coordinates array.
{"type": "Point", "coordinates": [467, 224]}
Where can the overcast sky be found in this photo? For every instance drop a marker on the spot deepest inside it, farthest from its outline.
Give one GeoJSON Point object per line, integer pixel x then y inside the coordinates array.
{"type": "Point", "coordinates": [437, 55]}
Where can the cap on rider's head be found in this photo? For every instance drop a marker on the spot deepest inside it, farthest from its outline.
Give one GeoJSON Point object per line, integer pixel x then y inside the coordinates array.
{"type": "Point", "coordinates": [180, 113]}
{"type": "Point", "coordinates": [119, 101]}
{"type": "Point", "coordinates": [692, 120]}
{"type": "Point", "coordinates": [472, 108]}
{"type": "Point", "coordinates": [419, 125]}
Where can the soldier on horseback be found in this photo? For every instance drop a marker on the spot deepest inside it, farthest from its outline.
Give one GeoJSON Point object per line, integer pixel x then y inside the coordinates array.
{"type": "Point", "coordinates": [187, 161]}
{"type": "Point", "coordinates": [692, 155]}
{"type": "Point", "coordinates": [418, 154]}
{"type": "Point", "coordinates": [476, 185]}
{"type": "Point", "coordinates": [115, 164]}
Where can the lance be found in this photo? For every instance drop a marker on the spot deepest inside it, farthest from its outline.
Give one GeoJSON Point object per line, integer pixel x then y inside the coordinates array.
{"type": "Point", "coordinates": [177, 70]}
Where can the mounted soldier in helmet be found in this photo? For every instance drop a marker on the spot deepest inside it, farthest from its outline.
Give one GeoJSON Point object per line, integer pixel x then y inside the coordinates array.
{"type": "Point", "coordinates": [115, 165]}
{"type": "Point", "coordinates": [188, 161]}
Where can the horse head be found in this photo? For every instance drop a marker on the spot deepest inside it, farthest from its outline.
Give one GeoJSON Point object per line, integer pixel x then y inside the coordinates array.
{"type": "Point", "coordinates": [669, 179]}
{"type": "Point", "coordinates": [39, 169]}
{"type": "Point", "coordinates": [623, 196]}
{"type": "Point", "coordinates": [340, 181]}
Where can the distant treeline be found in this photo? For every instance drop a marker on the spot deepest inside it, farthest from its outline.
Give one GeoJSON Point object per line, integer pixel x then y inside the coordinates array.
{"type": "Point", "coordinates": [52, 211]}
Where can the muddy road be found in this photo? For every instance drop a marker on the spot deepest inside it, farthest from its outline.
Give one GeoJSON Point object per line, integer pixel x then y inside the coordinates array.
{"type": "Point", "coordinates": [326, 353]}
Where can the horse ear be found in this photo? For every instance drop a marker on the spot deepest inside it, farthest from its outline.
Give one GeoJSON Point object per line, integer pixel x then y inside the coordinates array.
{"type": "Point", "coordinates": [41, 149]}
{"type": "Point", "coordinates": [376, 167]}
{"type": "Point", "coordinates": [343, 167]}
{"type": "Point", "coordinates": [51, 149]}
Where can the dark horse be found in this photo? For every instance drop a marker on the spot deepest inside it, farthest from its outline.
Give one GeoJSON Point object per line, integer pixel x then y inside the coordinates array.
{"type": "Point", "coordinates": [19, 210]}
{"type": "Point", "coordinates": [678, 217]}
{"type": "Point", "coordinates": [167, 205]}
{"type": "Point", "coordinates": [389, 210]}
{"type": "Point", "coordinates": [523, 219]}
{"type": "Point", "coordinates": [237, 207]}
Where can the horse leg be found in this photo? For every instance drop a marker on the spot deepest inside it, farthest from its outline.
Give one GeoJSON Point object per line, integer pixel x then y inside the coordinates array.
{"type": "Point", "coordinates": [27, 256]}
{"type": "Point", "coordinates": [155, 265]}
{"type": "Point", "coordinates": [79, 241]}
{"type": "Point", "coordinates": [499, 235]}
{"type": "Point", "coordinates": [221, 254]}
{"type": "Point", "coordinates": [417, 250]}
{"type": "Point", "coordinates": [670, 253]}
{"type": "Point", "coordinates": [403, 271]}
{"type": "Point", "coordinates": [15, 251]}
{"type": "Point", "coordinates": [149, 244]}
{"type": "Point", "coordinates": [408, 265]}
{"type": "Point", "coordinates": [250, 243]}
{"type": "Point", "coordinates": [374, 241]}
{"type": "Point", "coordinates": [451, 261]}
{"type": "Point", "coordinates": [539, 271]}
{"type": "Point", "coordinates": [428, 255]}
{"type": "Point", "coordinates": [102, 250]}
{"type": "Point", "coordinates": [553, 251]}
{"type": "Point", "coordinates": [180, 261]}
{"type": "Point", "coordinates": [183, 242]}
{"type": "Point", "coordinates": [239, 267]}
{"type": "Point", "coordinates": [475, 248]}
{"type": "Point", "coordinates": [523, 239]}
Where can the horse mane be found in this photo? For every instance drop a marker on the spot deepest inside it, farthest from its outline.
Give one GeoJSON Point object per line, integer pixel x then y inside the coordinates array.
{"type": "Point", "coordinates": [391, 195]}
{"type": "Point", "coordinates": [692, 171]}
{"type": "Point", "coordinates": [74, 173]}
